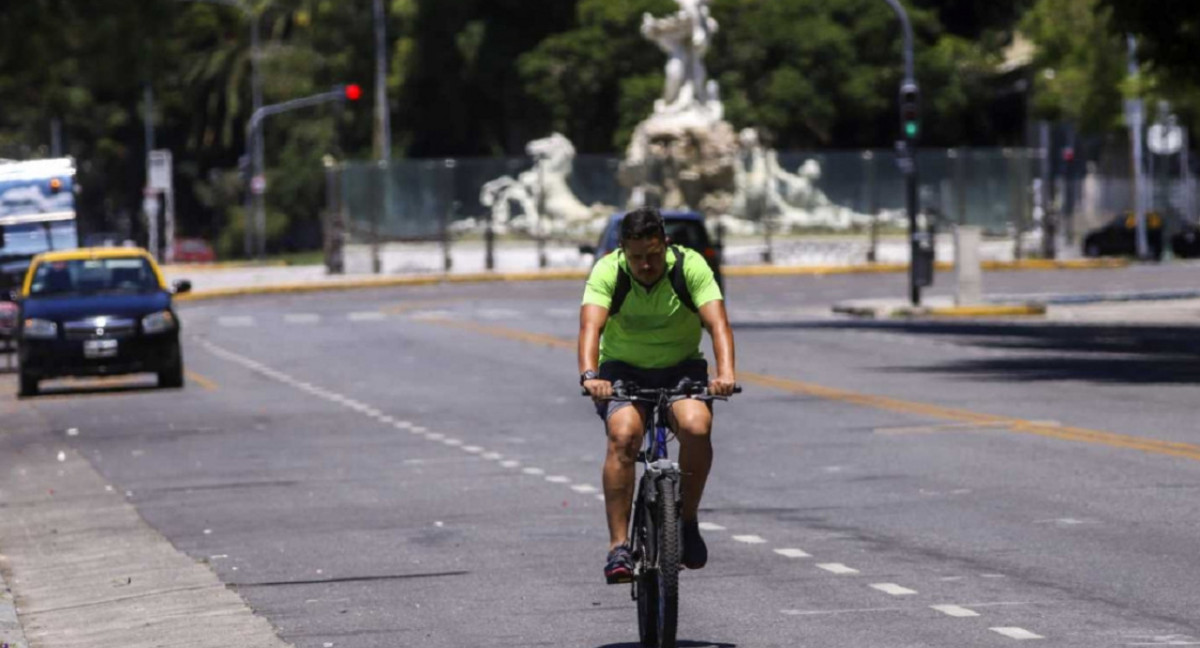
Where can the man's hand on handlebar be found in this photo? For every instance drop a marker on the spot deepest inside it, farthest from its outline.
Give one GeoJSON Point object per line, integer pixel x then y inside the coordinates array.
{"type": "Point", "coordinates": [598, 389]}
{"type": "Point", "coordinates": [722, 386]}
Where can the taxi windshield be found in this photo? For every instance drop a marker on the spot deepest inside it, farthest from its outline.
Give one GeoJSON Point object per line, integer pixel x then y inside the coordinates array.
{"type": "Point", "coordinates": [93, 276]}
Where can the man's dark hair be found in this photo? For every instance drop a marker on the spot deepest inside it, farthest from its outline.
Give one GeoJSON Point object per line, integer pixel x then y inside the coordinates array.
{"type": "Point", "coordinates": [643, 223]}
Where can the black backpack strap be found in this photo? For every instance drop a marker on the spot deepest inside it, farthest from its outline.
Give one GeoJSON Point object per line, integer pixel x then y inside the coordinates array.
{"type": "Point", "coordinates": [679, 281]}
{"type": "Point", "coordinates": [620, 291]}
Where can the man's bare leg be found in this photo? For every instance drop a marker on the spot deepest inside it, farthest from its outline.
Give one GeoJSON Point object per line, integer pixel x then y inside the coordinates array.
{"type": "Point", "coordinates": [625, 429]}
{"type": "Point", "coordinates": [692, 422]}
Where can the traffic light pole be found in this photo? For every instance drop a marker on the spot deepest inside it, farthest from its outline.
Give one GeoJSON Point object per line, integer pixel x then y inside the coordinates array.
{"type": "Point", "coordinates": [910, 128]}
{"type": "Point", "coordinates": [254, 134]}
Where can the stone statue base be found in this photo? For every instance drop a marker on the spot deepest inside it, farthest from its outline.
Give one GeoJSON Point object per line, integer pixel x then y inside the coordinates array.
{"type": "Point", "coordinates": [685, 160]}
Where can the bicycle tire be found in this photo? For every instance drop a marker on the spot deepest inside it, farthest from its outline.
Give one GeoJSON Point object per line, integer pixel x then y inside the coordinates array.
{"type": "Point", "coordinates": [669, 549]}
{"type": "Point", "coordinates": [645, 585]}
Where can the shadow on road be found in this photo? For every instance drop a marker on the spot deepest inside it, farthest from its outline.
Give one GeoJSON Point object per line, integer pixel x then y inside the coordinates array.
{"type": "Point", "coordinates": [92, 390]}
{"type": "Point", "coordinates": [1032, 351]}
{"type": "Point", "coordinates": [682, 643]}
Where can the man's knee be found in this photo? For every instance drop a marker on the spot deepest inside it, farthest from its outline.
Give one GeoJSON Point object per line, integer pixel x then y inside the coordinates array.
{"type": "Point", "coordinates": [625, 432]}
{"type": "Point", "coordinates": [694, 421]}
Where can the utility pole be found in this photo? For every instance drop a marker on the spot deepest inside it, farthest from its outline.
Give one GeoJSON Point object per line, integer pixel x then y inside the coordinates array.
{"type": "Point", "coordinates": [383, 125]}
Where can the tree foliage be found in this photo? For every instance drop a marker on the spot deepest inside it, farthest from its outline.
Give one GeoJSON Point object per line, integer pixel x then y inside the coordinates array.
{"type": "Point", "coordinates": [483, 77]}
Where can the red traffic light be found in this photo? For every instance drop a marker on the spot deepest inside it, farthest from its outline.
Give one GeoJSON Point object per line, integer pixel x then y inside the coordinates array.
{"type": "Point", "coordinates": [352, 91]}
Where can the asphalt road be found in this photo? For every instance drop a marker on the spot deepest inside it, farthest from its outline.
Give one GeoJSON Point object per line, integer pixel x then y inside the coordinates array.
{"type": "Point", "coordinates": [415, 467]}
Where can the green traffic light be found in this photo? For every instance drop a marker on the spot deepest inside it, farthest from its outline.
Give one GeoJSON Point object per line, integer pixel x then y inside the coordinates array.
{"type": "Point", "coordinates": [910, 128]}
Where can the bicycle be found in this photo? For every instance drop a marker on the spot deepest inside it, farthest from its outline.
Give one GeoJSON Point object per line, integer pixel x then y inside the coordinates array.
{"type": "Point", "coordinates": [656, 527]}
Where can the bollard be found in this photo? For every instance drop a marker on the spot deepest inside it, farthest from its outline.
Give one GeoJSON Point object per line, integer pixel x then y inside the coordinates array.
{"type": "Point", "coordinates": [967, 266]}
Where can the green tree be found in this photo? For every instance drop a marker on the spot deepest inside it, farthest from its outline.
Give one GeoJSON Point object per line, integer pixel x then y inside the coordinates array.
{"type": "Point", "coordinates": [1079, 63]}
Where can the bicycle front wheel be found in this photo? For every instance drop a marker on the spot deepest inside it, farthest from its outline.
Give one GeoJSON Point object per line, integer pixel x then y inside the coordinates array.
{"type": "Point", "coordinates": [669, 549]}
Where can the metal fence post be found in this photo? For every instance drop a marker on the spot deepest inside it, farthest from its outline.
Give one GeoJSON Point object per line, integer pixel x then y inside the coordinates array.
{"type": "Point", "coordinates": [446, 215]}
{"type": "Point", "coordinates": [378, 193]}
{"type": "Point", "coordinates": [872, 204]}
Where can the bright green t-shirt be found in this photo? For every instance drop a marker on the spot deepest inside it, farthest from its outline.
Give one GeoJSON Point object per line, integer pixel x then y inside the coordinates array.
{"type": "Point", "coordinates": [653, 329]}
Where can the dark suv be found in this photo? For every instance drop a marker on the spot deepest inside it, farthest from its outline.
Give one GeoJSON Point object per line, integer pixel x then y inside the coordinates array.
{"type": "Point", "coordinates": [683, 228]}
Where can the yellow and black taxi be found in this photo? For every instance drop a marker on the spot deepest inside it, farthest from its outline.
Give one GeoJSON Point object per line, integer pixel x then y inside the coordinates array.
{"type": "Point", "coordinates": [97, 312]}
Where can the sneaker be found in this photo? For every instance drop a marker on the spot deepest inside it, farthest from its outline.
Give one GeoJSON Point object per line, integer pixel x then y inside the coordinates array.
{"type": "Point", "coordinates": [619, 566]}
{"type": "Point", "coordinates": [695, 553]}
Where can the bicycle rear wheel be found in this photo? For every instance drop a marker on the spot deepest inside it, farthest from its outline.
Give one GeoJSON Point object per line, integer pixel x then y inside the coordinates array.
{"type": "Point", "coordinates": [669, 549]}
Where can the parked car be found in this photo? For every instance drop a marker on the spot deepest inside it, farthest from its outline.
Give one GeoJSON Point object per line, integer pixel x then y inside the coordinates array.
{"type": "Point", "coordinates": [193, 250]}
{"type": "Point", "coordinates": [97, 311]}
{"type": "Point", "coordinates": [683, 228]}
{"type": "Point", "coordinates": [1118, 237]}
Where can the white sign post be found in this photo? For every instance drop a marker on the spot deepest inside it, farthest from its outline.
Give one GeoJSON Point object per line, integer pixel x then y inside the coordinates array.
{"type": "Point", "coordinates": [159, 177]}
{"type": "Point", "coordinates": [151, 206]}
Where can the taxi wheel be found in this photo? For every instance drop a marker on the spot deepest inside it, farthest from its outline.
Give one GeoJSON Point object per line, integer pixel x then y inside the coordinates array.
{"type": "Point", "coordinates": [171, 378]}
{"type": "Point", "coordinates": [29, 385]}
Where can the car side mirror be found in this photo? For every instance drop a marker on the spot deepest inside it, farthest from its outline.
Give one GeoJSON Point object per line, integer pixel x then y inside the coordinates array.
{"type": "Point", "coordinates": [587, 249]}
{"type": "Point", "coordinates": [182, 286]}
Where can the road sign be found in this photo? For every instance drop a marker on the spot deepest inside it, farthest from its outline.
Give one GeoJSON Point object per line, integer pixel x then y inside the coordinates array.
{"type": "Point", "coordinates": [1164, 139]}
{"type": "Point", "coordinates": [158, 170]}
{"type": "Point", "coordinates": [258, 185]}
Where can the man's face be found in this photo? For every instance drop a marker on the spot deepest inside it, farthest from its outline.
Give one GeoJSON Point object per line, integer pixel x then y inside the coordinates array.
{"type": "Point", "coordinates": [647, 258]}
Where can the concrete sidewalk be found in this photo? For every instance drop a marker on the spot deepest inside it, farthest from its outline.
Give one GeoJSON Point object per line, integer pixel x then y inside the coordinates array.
{"type": "Point", "coordinates": [1155, 309]}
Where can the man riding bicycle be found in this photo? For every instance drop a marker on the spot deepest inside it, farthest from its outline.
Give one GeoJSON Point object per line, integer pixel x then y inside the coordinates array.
{"type": "Point", "coordinates": [640, 322]}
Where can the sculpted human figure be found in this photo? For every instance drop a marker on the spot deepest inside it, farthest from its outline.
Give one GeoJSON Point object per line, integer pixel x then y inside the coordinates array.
{"type": "Point", "coordinates": [685, 37]}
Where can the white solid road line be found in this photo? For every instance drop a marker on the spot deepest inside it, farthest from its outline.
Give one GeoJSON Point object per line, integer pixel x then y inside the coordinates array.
{"type": "Point", "coordinates": [1016, 633]}
{"type": "Point", "coordinates": [955, 610]}
{"type": "Point", "coordinates": [893, 589]}
{"type": "Point", "coordinates": [709, 526]}
{"type": "Point", "coordinates": [793, 553]}
{"type": "Point", "coordinates": [837, 568]}
{"type": "Point", "coordinates": [749, 539]}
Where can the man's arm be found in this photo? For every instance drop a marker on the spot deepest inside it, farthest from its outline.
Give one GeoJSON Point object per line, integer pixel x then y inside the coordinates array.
{"type": "Point", "coordinates": [591, 322]}
{"type": "Point", "coordinates": [712, 315]}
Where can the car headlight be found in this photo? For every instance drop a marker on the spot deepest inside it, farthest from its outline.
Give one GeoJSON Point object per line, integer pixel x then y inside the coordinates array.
{"type": "Point", "coordinates": [40, 329]}
{"type": "Point", "coordinates": [160, 322]}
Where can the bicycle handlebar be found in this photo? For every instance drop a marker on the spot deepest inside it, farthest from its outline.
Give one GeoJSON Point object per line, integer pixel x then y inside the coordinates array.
{"type": "Point", "coordinates": [631, 392]}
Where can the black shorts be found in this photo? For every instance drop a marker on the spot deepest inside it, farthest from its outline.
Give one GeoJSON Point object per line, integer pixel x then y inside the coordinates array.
{"type": "Point", "coordinates": [614, 370]}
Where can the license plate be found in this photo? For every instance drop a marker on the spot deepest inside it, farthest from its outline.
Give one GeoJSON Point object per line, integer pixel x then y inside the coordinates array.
{"type": "Point", "coordinates": [98, 349]}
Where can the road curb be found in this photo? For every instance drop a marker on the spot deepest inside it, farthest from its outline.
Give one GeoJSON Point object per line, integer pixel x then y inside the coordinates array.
{"type": "Point", "coordinates": [578, 274]}
{"type": "Point", "coordinates": [11, 634]}
{"type": "Point", "coordinates": [891, 311]}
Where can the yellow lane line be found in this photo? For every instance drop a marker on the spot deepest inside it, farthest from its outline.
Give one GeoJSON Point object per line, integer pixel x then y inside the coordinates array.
{"type": "Point", "coordinates": [1063, 433]}
{"type": "Point", "coordinates": [205, 383]}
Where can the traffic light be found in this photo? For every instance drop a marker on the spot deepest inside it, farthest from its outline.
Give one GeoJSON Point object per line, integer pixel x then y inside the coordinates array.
{"type": "Point", "coordinates": [910, 111]}
{"type": "Point", "coordinates": [351, 92]}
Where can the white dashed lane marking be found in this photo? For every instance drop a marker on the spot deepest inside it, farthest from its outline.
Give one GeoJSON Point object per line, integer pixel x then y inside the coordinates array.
{"type": "Point", "coordinates": [302, 318]}
{"type": "Point", "coordinates": [1016, 633]}
{"type": "Point", "coordinates": [893, 589]}
{"type": "Point", "coordinates": [793, 553]}
{"type": "Point", "coordinates": [749, 539]}
{"type": "Point", "coordinates": [955, 610]}
{"type": "Point", "coordinates": [235, 320]}
{"type": "Point", "coordinates": [368, 316]}
{"type": "Point", "coordinates": [709, 526]}
{"type": "Point", "coordinates": [558, 479]}
{"type": "Point", "coordinates": [584, 488]}
{"type": "Point", "coordinates": [533, 471]}
{"type": "Point", "coordinates": [837, 568]}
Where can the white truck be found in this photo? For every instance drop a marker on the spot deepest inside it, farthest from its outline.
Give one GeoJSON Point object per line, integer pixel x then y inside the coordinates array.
{"type": "Point", "coordinates": [37, 214]}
